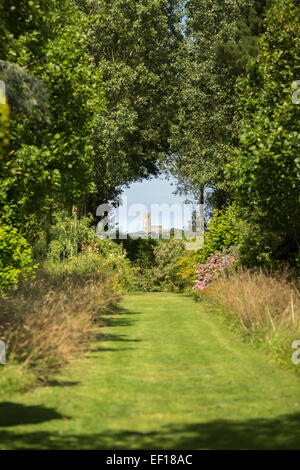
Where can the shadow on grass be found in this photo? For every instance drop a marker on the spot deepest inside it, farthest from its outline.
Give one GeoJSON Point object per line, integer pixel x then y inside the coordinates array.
{"type": "Point", "coordinates": [118, 338]}
{"type": "Point", "coordinates": [118, 310]}
{"type": "Point", "coordinates": [280, 433]}
{"type": "Point", "coordinates": [14, 414]}
{"type": "Point", "coordinates": [116, 321]}
{"type": "Point", "coordinates": [103, 349]}
{"type": "Point", "coordinates": [60, 383]}
{"type": "Point", "coordinates": [116, 318]}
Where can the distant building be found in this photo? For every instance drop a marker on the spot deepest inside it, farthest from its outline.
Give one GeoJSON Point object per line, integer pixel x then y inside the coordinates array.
{"type": "Point", "coordinates": [157, 229]}
{"type": "Point", "coordinates": [147, 222]}
{"type": "Point", "coordinates": [148, 228]}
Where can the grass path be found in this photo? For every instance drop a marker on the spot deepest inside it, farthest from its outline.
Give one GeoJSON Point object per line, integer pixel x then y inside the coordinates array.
{"type": "Point", "coordinates": [168, 375]}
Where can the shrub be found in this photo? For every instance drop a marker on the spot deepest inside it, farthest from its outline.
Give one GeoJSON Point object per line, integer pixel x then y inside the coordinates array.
{"type": "Point", "coordinates": [223, 232]}
{"type": "Point", "coordinates": [73, 247]}
{"type": "Point", "coordinates": [114, 262]}
{"type": "Point", "coordinates": [48, 322]}
{"type": "Point", "coordinates": [15, 257]}
{"type": "Point", "coordinates": [266, 308]}
{"type": "Point", "coordinates": [215, 266]}
{"type": "Point", "coordinates": [264, 171]}
{"type": "Point", "coordinates": [106, 257]}
{"type": "Point", "coordinates": [69, 234]}
{"type": "Point", "coordinates": [55, 250]}
{"type": "Point", "coordinates": [40, 247]}
{"type": "Point", "coordinates": [15, 379]}
{"type": "Point", "coordinates": [4, 123]}
{"type": "Point", "coordinates": [15, 254]}
{"type": "Point", "coordinates": [154, 264]}
{"type": "Point", "coordinates": [163, 273]}
{"type": "Point", "coordinates": [256, 248]}
{"type": "Point", "coordinates": [140, 251]}
{"type": "Point", "coordinates": [186, 269]}
{"type": "Point", "coordinates": [166, 255]}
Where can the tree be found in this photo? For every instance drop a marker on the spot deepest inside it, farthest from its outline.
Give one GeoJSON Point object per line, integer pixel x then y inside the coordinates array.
{"type": "Point", "coordinates": [15, 254]}
{"type": "Point", "coordinates": [134, 44]}
{"type": "Point", "coordinates": [220, 37]}
{"type": "Point", "coordinates": [55, 92]}
{"type": "Point", "coordinates": [264, 171]}
{"type": "Point", "coordinates": [66, 148]}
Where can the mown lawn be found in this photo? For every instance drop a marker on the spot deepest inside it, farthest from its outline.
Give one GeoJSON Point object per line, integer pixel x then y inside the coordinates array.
{"type": "Point", "coordinates": [165, 375]}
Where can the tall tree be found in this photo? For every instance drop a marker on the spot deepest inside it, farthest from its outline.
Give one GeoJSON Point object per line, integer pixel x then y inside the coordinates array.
{"type": "Point", "coordinates": [264, 171]}
{"type": "Point", "coordinates": [55, 93]}
{"type": "Point", "coordinates": [134, 44]}
{"type": "Point", "coordinates": [220, 37]}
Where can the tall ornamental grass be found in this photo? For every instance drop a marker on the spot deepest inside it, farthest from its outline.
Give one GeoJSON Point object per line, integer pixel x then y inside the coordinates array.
{"type": "Point", "coordinates": [48, 322]}
{"type": "Point", "coordinates": [265, 307]}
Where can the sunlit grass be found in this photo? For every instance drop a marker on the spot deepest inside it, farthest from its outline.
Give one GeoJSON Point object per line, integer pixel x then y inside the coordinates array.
{"type": "Point", "coordinates": [165, 375]}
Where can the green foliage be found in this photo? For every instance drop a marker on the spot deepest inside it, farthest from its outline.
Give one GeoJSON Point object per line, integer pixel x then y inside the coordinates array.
{"type": "Point", "coordinates": [166, 255]}
{"type": "Point", "coordinates": [140, 251]}
{"type": "Point", "coordinates": [4, 114]}
{"type": "Point", "coordinates": [135, 44]}
{"type": "Point", "coordinates": [55, 250]}
{"type": "Point", "coordinates": [68, 234]}
{"type": "Point", "coordinates": [223, 232]}
{"type": "Point", "coordinates": [256, 247]}
{"type": "Point", "coordinates": [71, 246]}
{"type": "Point", "coordinates": [15, 257]}
{"type": "Point", "coordinates": [264, 172]}
{"type": "Point", "coordinates": [186, 268]}
{"type": "Point", "coordinates": [14, 379]}
{"type": "Point", "coordinates": [220, 39]}
{"type": "Point", "coordinates": [160, 272]}
{"type": "Point", "coordinates": [15, 254]}
{"type": "Point", "coordinates": [116, 262]}
{"type": "Point", "coordinates": [109, 261]}
{"type": "Point", "coordinates": [60, 58]}
{"type": "Point", "coordinates": [55, 92]}
{"type": "Point", "coordinates": [4, 122]}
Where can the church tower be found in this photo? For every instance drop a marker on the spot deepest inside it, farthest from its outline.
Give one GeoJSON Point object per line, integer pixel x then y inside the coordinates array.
{"type": "Point", "coordinates": [147, 222]}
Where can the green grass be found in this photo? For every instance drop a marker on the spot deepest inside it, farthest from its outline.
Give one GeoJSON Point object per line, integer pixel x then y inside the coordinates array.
{"type": "Point", "coordinates": [167, 375]}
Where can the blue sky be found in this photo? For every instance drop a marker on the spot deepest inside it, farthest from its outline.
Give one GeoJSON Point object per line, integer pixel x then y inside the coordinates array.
{"type": "Point", "coordinates": [154, 191]}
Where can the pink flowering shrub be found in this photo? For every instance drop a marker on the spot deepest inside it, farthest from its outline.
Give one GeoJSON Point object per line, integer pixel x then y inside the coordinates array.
{"type": "Point", "coordinates": [214, 267]}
